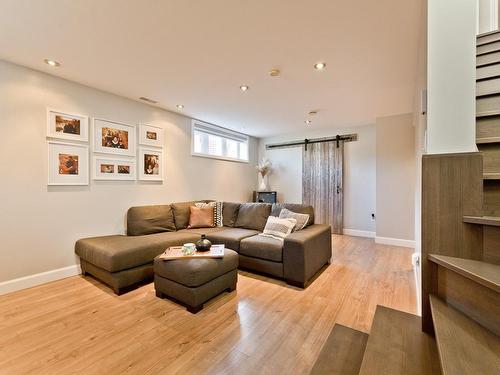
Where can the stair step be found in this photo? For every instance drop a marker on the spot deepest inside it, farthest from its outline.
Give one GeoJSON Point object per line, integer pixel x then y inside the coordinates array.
{"type": "Point", "coordinates": [484, 220]}
{"type": "Point", "coordinates": [486, 274]}
{"type": "Point", "coordinates": [488, 87]}
{"type": "Point", "coordinates": [491, 176]}
{"type": "Point", "coordinates": [489, 113]}
{"type": "Point", "coordinates": [488, 48]}
{"type": "Point", "coordinates": [487, 140]}
{"type": "Point", "coordinates": [488, 59]}
{"type": "Point", "coordinates": [342, 352]}
{"type": "Point", "coordinates": [464, 346]}
{"type": "Point", "coordinates": [489, 105]}
{"type": "Point", "coordinates": [488, 37]}
{"type": "Point", "coordinates": [397, 345]}
{"type": "Point", "coordinates": [487, 72]}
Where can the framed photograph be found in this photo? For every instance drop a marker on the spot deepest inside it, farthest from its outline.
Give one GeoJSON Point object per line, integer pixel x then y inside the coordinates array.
{"type": "Point", "coordinates": [150, 164]}
{"type": "Point", "coordinates": [114, 138]}
{"type": "Point", "coordinates": [151, 136]}
{"type": "Point", "coordinates": [113, 169]}
{"type": "Point", "coordinates": [69, 126]}
{"type": "Point", "coordinates": [68, 163]}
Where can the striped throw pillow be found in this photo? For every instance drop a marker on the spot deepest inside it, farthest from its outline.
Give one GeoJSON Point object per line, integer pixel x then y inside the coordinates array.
{"type": "Point", "coordinates": [217, 211]}
{"type": "Point", "coordinates": [302, 219]}
{"type": "Point", "coordinates": [278, 228]}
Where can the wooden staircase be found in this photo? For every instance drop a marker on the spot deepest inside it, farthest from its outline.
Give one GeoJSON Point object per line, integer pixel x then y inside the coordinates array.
{"type": "Point", "coordinates": [459, 332]}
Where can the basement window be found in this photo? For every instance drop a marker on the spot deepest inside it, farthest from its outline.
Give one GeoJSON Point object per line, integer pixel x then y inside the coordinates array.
{"type": "Point", "coordinates": [212, 141]}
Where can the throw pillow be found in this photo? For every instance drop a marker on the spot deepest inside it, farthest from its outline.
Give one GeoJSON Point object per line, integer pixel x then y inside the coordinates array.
{"type": "Point", "coordinates": [201, 217]}
{"type": "Point", "coordinates": [217, 211]}
{"type": "Point", "coordinates": [302, 219]}
{"type": "Point", "coordinates": [278, 228]}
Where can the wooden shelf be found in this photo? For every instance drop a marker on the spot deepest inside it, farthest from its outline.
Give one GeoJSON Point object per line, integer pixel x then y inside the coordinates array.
{"type": "Point", "coordinates": [397, 345]}
{"type": "Point", "coordinates": [486, 274]}
{"type": "Point", "coordinates": [464, 346]}
{"type": "Point", "coordinates": [493, 221]}
{"type": "Point", "coordinates": [488, 140]}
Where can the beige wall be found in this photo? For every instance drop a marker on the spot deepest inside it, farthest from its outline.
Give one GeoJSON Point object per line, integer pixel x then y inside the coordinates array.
{"type": "Point", "coordinates": [39, 224]}
{"type": "Point", "coordinates": [396, 172]}
{"type": "Point", "coordinates": [359, 173]}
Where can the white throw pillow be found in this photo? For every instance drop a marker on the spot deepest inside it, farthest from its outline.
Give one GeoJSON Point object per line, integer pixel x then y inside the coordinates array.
{"type": "Point", "coordinates": [302, 219]}
{"type": "Point", "coordinates": [278, 228]}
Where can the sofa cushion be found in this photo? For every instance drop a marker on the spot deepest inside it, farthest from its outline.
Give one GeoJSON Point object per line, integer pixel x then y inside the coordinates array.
{"type": "Point", "coordinates": [230, 237]}
{"type": "Point", "coordinates": [230, 213]}
{"type": "Point", "coordinates": [294, 207]}
{"type": "Point", "coordinates": [253, 216]}
{"type": "Point", "coordinates": [182, 214]}
{"type": "Point", "coordinates": [196, 272]}
{"type": "Point", "coordinates": [118, 253]}
{"type": "Point", "coordinates": [262, 247]}
{"type": "Point", "coordinates": [150, 219]}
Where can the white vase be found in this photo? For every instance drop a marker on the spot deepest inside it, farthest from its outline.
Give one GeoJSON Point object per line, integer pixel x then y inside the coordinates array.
{"type": "Point", "coordinates": [264, 185]}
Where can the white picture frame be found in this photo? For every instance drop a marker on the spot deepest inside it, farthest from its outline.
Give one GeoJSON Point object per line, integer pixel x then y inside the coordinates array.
{"type": "Point", "coordinates": [152, 136]}
{"type": "Point", "coordinates": [68, 163]}
{"type": "Point", "coordinates": [146, 153]}
{"type": "Point", "coordinates": [114, 169]}
{"type": "Point", "coordinates": [120, 137]}
{"type": "Point", "coordinates": [67, 126]}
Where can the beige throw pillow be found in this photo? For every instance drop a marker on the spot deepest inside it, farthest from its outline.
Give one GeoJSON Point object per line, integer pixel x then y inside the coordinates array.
{"type": "Point", "coordinates": [278, 228]}
{"type": "Point", "coordinates": [201, 217]}
{"type": "Point", "coordinates": [302, 219]}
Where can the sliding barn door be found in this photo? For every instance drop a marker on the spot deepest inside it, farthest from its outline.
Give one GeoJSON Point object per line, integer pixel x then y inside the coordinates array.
{"type": "Point", "coordinates": [322, 182]}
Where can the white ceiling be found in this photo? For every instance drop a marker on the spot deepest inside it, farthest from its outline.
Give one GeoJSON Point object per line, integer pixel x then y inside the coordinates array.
{"type": "Point", "coordinates": [198, 53]}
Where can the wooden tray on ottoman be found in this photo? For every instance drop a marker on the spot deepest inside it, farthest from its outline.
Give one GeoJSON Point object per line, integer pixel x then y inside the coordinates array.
{"type": "Point", "coordinates": [175, 252]}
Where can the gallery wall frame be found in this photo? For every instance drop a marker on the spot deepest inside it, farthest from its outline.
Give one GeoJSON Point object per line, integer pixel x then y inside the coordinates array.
{"type": "Point", "coordinates": [114, 169]}
{"type": "Point", "coordinates": [112, 137]}
{"type": "Point", "coordinates": [152, 136]}
{"type": "Point", "coordinates": [68, 163]}
{"type": "Point", "coordinates": [150, 164]}
{"type": "Point", "coordinates": [67, 125]}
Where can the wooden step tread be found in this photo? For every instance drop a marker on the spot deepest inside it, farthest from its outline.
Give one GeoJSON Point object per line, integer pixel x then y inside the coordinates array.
{"type": "Point", "coordinates": [493, 221]}
{"type": "Point", "coordinates": [487, 114]}
{"type": "Point", "coordinates": [486, 274]}
{"type": "Point", "coordinates": [464, 346]}
{"type": "Point", "coordinates": [397, 345]}
{"type": "Point", "coordinates": [488, 140]}
{"type": "Point", "coordinates": [342, 352]}
{"type": "Point", "coordinates": [491, 176]}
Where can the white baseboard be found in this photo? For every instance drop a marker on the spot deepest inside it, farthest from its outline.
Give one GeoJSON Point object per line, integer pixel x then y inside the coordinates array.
{"type": "Point", "coordinates": [359, 233]}
{"type": "Point", "coordinates": [395, 242]}
{"type": "Point", "coordinates": [38, 279]}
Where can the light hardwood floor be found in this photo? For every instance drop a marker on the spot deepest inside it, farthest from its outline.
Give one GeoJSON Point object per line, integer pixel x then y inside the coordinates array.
{"type": "Point", "coordinates": [77, 326]}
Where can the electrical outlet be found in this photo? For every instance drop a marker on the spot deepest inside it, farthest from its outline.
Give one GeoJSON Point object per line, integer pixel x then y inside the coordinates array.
{"type": "Point", "coordinates": [373, 217]}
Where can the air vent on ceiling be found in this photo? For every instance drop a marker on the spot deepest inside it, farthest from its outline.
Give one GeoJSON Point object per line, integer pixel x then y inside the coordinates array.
{"type": "Point", "coordinates": [148, 100]}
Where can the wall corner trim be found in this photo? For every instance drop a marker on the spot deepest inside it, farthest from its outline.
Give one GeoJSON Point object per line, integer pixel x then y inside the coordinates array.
{"type": "Point", "coordinates": [25, 282]}
{"type": "Point", "coordinates": [395, 242]}
{"type": "Point", "coordinates": [358, 233]}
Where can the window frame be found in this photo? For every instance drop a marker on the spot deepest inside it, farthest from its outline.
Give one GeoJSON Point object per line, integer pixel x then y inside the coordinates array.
{"type": "Point", "coordinates": [219, 131]}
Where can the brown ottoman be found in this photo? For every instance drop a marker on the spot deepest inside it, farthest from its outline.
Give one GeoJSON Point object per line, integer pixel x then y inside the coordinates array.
{"type": "Point", "coordinates": [192, 282]}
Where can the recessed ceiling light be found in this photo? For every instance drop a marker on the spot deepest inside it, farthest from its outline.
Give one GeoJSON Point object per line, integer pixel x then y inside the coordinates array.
{"type": "Point", "coordinates": [307, 122]}
{"type": "Point", "coordinates": [179, 106]}
{"type": "Point", "coordinates": [52, 62]}
{"type": "Point", "coordinates": [320, 66]}
{"type": "Point", "coordinates": [244, 88]}
{"type": "Point", "coordinates": [274, 72]}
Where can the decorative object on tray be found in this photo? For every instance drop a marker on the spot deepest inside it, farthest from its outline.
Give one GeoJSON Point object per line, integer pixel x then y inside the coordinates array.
{"type": "Point", "coordinates": [175, 252]}
{"type": "Point", "coordinates": [188, 248]}
{"type": "Point", "coordinates": [264, 169]}
{"type": "Point", "coordinates": [150, 164]}
{"type": "Point", "coordinates": [68, 163]}
{"type": "Point", "coordinates": [278, 228]}
{"type": "Point", "coordinates": [217, 211]}
{"type": "Point", "coordinates": [112, 137]}
{"type": "Point", "coordinates": [302, 219]}
{"type": "Point", "coordinates": [151, 136]}
{"type": "Point", "coordinates": [64, 125]}
{"type": "Point", "coordinates": [105, 168]}
{"type": "Point", "coordinates": [203, 244]}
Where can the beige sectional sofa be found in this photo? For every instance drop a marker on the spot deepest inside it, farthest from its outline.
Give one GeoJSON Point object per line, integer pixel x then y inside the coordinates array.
{"type": "Point", "coordinates": [121, 261]}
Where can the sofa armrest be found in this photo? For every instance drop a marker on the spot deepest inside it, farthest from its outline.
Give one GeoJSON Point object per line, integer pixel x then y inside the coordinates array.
{"type": "Point", "coordinates": [305, 252]}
